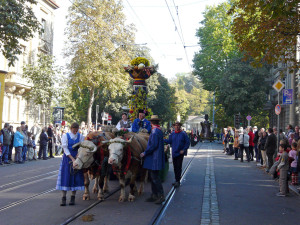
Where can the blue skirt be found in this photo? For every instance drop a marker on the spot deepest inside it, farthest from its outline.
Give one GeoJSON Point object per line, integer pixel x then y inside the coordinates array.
{"type": "Point", "coordinates": [68, 179]}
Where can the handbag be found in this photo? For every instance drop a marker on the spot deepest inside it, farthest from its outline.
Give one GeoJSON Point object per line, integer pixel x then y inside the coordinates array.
{"type": "Point", "coordinates": [274, 167]}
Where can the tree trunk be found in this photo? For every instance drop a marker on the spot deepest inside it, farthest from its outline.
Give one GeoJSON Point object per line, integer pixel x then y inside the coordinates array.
{"type": "Point", "coordinates": [89, 113]}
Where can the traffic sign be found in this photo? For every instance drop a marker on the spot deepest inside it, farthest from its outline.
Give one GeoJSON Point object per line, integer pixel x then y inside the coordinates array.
{"type": "Point", "coordinates": [109, 118]}
{"type": "Point", "coordinates": [277, 109]}
{"type": "Point", "coordinates": [248, 117]}
{"type": "Point", "coordinates": [287, 97]}
{"type": "Point", "coordinates": [278, 85]}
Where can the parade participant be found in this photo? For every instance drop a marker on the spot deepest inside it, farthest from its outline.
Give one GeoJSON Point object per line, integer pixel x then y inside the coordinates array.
{"type": "Point", "coordinates": [154, 160]}
{"type": "Point", "coordinates": [18, 144]}
{"type": "Point", "coordinates": [141, 123]}
{"type": "Point", "coordinates": [180, 143]}
{"type": "Point", "coordinates": [283, 168]}
{"type": "Point", "coordinates": [67, 179]}
{"type": "Point", "coordinates": [124, 123]}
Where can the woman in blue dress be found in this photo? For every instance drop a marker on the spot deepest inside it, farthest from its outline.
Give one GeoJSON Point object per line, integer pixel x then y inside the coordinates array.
{"type": "Point", "coordinates": [68, 179]}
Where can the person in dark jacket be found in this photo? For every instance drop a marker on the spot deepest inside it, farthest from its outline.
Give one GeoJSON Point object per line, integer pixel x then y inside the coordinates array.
{"type": "Point", "coordinates": [6, 143]}
{"type": "Point", "coordinates": [154, 160]}
{"type": "Point", "coordinates": [270, 147]}
{"type": "Point", "coordinates": [11, 146]}
{"type": "Point", "coordinates": [50, 140]}
{"type": "Point", "coordinates": [180, 144]}
{"type": "Point", "coordinates": [43, 144]}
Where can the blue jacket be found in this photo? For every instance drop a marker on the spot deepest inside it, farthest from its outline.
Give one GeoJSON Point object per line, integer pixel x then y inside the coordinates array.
{"type": "Point", "coordinates": [18, 139]}
{"type": "Point", "coordinates": [179, 141]}
{"type": "Point", "coordinates": [144, 124]}
{"type": "Point", "coordinates": [154, 158]}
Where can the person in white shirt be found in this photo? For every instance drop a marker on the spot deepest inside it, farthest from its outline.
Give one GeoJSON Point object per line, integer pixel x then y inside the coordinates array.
{"type": "Point", "coordinates": [244, 144]}
{"type": "Point", "coordinates": [124, 123]}
{"type": "Point", "coordinates": [67, 179]}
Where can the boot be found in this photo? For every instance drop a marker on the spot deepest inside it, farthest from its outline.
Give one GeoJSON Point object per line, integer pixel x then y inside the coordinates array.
{"type": "Point", "coordinates": [160, 200]}
{"type": "Point", "coordinates": [72, 201]}
{"type": "Point", "coordinates": [152, 198]}
{"type": "Point", "coordinates": [63, 201]}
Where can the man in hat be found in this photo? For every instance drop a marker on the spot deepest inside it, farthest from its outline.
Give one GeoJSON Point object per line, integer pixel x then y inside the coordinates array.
{"type": "Point", "coordinates": [154, 160]}
{"type": "Point", "coordinates": [141, 123]}
{"type": "Point", "coordinates": [180, 144]}
{"type": "Point", "coordinates": [124, 123]}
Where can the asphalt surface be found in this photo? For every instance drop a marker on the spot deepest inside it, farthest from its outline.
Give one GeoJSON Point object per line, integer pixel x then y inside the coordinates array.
{"type": "Point", "coordinates": [215, 190]}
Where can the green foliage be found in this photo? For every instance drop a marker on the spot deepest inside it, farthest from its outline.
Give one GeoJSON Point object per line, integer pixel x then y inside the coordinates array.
{"type": "Point", "coordinates": [42, 77]}
{"type": "Point", "coordinates": [239, 87]}
{"type": "Point", "coordinates": [17, 22]}
{"type": "Point", "coordinates": [99, 46]}
{"type": "Point", "coordinates": [162, 102]}
{"type": "Point", "coordinates": [267, 30]}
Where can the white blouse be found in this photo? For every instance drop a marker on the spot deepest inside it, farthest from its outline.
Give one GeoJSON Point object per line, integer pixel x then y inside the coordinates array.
{"type": "Point", "coordinates": [64, 141]}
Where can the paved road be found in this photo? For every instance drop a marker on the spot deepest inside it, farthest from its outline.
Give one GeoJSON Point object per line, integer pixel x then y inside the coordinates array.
{"type": "Point", "coordinates": [215, 190]}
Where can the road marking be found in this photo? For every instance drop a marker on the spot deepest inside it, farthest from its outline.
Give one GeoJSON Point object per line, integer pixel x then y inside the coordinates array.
{"type": "Point", "coordinates": [26, 199]}
{"type": "Point", "coordinates": [210, 207]}
{"type": "Point", "coordinates": [30, 178]}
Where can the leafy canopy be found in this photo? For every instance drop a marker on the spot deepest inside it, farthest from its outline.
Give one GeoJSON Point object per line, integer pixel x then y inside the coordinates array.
{"type": "Point", "coordinates": [17, 22]}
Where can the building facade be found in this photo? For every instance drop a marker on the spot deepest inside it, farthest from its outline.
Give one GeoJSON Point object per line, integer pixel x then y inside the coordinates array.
{"type": "Point", "coordinates": [16, 107]}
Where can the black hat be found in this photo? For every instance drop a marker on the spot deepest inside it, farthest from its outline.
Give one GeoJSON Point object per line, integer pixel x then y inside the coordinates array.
{"type": "Point", "coordinates": [177, 123]}
{"type": "Point", "coordinates": [124, 113]}
{"type": "Point", "coordinates": [23, 122]}
{"type": "Point", "coordinates": [142, 111]}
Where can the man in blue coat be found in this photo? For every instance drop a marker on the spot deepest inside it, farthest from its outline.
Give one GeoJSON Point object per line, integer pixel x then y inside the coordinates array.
{"type": "Point", "coordinates": [180, 143]}
{"type": "Point", "coordinates": [154, 160]}
{"type": "Point", "coordinates": [141, 123]}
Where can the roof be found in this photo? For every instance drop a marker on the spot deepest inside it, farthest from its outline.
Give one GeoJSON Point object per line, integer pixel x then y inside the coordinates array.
{"type": "Point", "coordinates": [52, 4]}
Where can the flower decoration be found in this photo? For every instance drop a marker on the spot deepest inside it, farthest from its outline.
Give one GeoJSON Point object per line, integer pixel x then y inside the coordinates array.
{"type": "Point", "coordinates": [140, 69]}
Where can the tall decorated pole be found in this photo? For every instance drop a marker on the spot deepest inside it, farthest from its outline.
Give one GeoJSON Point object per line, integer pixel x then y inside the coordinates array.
{"type": "Point", "coordinates": [139, 70]}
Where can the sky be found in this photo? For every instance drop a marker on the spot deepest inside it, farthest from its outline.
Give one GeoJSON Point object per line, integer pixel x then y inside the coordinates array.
{"type": "Point", "coordinates": [166, 26]}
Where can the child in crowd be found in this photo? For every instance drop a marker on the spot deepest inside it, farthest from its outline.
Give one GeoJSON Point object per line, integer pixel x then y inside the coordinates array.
{"type": "Point", "coordinates": [283, 168]}
{"type": "Point", "coordinates": [293, 156]}
{"type": "Point", "coordinates": [236, 144]}
{"type": "Point", "coordinates": [34, 148]}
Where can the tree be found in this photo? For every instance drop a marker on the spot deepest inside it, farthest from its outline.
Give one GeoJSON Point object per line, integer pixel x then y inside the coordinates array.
{"type": "Point", "coordinates": [238, 86]}
{"type": "Point", "coordinates": [267, 30]}
{"type": "Point", "coordinates": [17, 22]}
{"type": "Point", "coordinates": [100, 44]}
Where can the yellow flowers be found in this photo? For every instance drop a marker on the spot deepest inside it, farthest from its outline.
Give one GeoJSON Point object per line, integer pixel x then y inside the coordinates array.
{"type": "Point", "coordinates": [140, 60]}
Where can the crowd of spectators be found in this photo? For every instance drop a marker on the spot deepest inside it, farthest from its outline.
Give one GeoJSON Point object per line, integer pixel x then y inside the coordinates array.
{"type": "Point", "coordinates": [278, 158]}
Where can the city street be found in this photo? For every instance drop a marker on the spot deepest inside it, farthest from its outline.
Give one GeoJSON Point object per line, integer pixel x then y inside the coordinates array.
{"type": "Point", "coordinates": [215, 190]}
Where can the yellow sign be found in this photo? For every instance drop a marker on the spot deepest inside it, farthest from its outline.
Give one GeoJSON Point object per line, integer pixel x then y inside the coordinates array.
{"type": "Point", "coordinates": [278, 85]}
{"type": "Point", "coordinates": [2, 87]}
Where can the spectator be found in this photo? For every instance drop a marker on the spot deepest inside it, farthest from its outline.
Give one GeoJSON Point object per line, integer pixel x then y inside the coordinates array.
{"type": "Point", "coordinates": [34, 148]}
{"type": "Point", "coordinates": [154, 160]}
{"type": "Point", "coordinates": [291, 138]}
{"type": "Point", "coordinates": [11, 146]}
{"type": "Point", "coordinates": [50, 141]}
{"type": "Point", "coordinates": [18, 144]}
{"type": "Point", "coordinates": [255, 141]}
{"type": "Point", "coordinates": [261, 143]}
{"type": "Point", "coordinates": [244, 144]}
{"type": "Point", "coordinates": [289, 130]}
{"type": "Point", "coordinates": [230, 140]}
{"type": "Point", "coordinates": [297, 134]}
{"type": "Point", "coordinates": [270, 147]}
{"type": "Point", "coordinates": [236, 146]}
{"type": "Point", "coordinates": [25, 140]}
{"type": "Point", "coordinates": [283, 168]}
{"type": "Point", "coordinates": [6, 143]}
{"type": "Point", "coordinates": [251, 143]}
{"type": "Point", "coordinates": [30, 147]}
{"type": "Point", "coordinates": [58, 149]}
{"type": "Point", "coordinates": [293, 155]}
{"type": "Point", "coordinates": [281, 135]}
{"type": "Point", "coordinates": [43, 144]}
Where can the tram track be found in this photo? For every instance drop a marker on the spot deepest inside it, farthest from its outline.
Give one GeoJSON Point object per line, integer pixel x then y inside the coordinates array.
{"type": "Point", "coordinates": [160, 212]}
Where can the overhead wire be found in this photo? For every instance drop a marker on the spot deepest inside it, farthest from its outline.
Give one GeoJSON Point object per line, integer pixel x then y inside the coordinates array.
{"type": "Point", "coordinates": [180, 36]}
{"type": "Point", "coordinates": [143, 27]}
